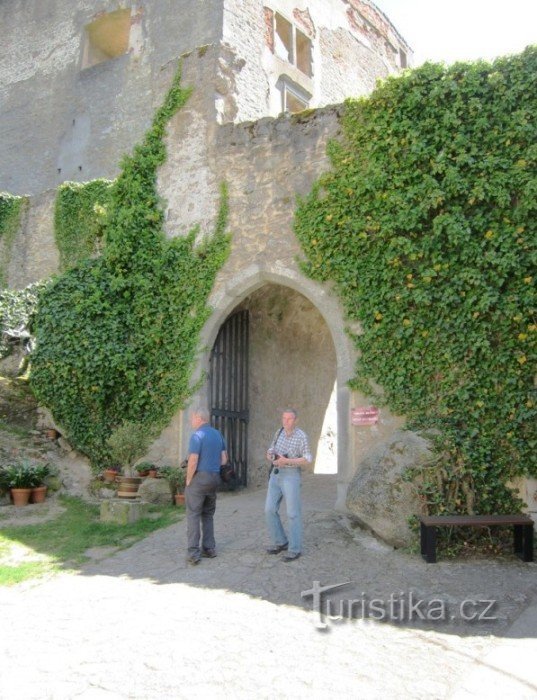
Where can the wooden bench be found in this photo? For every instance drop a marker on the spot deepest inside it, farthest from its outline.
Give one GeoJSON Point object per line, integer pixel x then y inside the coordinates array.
{"type": "Point", "coordinates": [522, 528]}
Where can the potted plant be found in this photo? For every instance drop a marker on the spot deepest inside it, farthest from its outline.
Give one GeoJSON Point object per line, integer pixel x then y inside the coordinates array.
{"type": "Point", "coordinates": [110, 474]}
{"type": "Point", "coordinates": [126, 444]}
{"type": "Point", "coordinates": [39, 490]}
{"type": "Point", "coordinates": [4, 480]}
{"type": "Point", "coordinates": [20, 479]}
{"type": "Point", "coordinates": [144, 468]}
{"type": "Point", "coordinates": [176, 477]}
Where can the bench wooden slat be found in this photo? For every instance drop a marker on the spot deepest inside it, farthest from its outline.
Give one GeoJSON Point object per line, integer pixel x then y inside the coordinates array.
{"type": "Point", "coordinates": [522, 531]}
{"type": "Point", "coordinates": [475, 520]}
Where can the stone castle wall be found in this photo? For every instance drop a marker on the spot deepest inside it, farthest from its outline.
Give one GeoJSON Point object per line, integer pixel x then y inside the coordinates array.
{"type": "Point", "coordinates": [95, 114]}
{"type": "Point", "coordinates": [61, 120]}
{"type": "Point", "coordinates": [265, 164]}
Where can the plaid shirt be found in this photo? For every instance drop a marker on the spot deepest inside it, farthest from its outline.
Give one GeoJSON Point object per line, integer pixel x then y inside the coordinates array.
{"type": "Point", "coordinates": [294, 446]}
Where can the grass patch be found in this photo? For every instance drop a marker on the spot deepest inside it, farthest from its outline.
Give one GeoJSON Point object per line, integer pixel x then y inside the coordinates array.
{"type": "Point", "coordinates": [30, 551]}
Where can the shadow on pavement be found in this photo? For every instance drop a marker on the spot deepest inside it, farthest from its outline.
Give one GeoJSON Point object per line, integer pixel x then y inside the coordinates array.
{"type": "Point", "coordinates": [343, 575]}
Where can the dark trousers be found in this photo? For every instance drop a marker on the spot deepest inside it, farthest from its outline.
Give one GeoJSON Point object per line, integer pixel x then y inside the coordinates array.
{"type": "Point", "coordinates": [200, 500]}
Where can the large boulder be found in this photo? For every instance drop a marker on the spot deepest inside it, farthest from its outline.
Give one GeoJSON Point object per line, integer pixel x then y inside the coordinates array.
{"type": "Point", "coordinates": [155, 491]}
{"type": "Point", "coordinates": [378, 497]}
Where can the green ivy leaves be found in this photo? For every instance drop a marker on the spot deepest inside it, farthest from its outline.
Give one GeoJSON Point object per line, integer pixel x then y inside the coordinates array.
{"type": "Point", "coordinates": [117, 336]}
{"type": "Point", "coordinates": [426, 225]}
{"type": "Point", "coordinates": [11, 208]}
{"type": "Point", "coordinates": [79, 220]}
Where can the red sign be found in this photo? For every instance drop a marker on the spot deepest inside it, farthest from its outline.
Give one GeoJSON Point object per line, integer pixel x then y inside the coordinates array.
{"type": "Point", "coordinates": [364, 415]}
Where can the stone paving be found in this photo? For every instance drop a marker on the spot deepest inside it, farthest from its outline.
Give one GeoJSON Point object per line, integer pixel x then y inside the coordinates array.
{"type": "Point", "coordinates": [141, 623]}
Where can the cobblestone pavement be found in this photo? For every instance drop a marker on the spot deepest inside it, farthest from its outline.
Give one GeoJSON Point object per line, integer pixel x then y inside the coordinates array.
{"type": "Point", "coordinates": [141, 623]}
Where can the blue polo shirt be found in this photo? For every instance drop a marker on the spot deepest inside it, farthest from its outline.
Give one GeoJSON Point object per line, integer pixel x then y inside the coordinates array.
{"type": "Point", "coordinates": [208, 443]}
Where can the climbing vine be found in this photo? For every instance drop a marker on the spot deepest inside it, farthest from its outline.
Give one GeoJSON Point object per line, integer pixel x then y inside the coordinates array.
{"type": "Point", "coordinates": [117, 336]}
{"type": "Point", "coordinates": [79, 217]}
{"type": "Point", "coordinates": [426, 225]}
{"type": "Point", "coordinates": [11, 208]}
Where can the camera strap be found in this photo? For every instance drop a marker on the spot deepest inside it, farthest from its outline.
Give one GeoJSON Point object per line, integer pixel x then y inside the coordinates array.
{"type": "Point", "coordinates": [274, 444]}
{"type": "Point", "coordinates": [280, 431]}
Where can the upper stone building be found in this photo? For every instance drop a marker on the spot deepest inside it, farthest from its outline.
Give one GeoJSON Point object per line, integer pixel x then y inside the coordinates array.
{"type": "Point", "coordinates": [81, 79]}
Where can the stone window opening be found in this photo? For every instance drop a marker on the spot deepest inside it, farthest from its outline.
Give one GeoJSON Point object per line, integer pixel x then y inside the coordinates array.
{"type": "Point", "coordinates": [403, 61]}
{"type": "Point", "coordinates": [106, 38]}
{"type": "Point", "coordinates": [293, 97]}
{"type": "Point", "coordinates": [292, 45]}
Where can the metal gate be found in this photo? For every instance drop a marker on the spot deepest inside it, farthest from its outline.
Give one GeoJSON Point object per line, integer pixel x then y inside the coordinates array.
{"type": "Point", "coordinates": [228, 386]}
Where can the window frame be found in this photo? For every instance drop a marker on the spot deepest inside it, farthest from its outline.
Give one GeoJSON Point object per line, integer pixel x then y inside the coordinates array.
{"type": "Point", "coordinates": [287, 86]}
{"type": "Point", "coordinates": [293, 53]}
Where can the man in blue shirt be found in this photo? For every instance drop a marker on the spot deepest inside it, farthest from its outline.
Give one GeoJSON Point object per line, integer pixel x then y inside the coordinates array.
{"type": "Point", "coordinates": [206, 453]}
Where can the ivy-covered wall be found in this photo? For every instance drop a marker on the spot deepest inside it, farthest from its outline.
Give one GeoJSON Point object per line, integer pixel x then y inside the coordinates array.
{"type": "Point", "coordinates": [11, 209]}
{"type": "Point", "coordinates": [79, 216]}
{"type": "Point", "coordinates": [117, 336]}
{"type": "Point", "coordinates": [426, 225]}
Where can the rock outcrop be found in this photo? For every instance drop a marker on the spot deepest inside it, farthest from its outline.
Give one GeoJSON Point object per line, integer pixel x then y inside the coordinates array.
{"type": "Point", "coordinates": [378, 497]}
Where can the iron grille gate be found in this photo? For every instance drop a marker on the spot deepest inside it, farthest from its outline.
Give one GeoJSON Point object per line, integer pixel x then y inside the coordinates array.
{"type": "Point", "coordinates": [228, 385]}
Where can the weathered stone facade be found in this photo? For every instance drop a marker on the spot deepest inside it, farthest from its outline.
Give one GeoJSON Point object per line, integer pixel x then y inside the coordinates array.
{"type": "Point", "coordinates": [266, 164]}
{"type": "Point", "coordinates": [301, 355]}
{"type": "Point", "coordinates": [72, 120]}
{"type": "Point", "coordinates": [60, 121]}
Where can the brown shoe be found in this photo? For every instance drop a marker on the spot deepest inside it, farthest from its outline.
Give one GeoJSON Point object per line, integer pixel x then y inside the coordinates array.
{"type": "Point", "coordinates": [277, 548]}
{"type": "Point", "coordinates": [209, 553]}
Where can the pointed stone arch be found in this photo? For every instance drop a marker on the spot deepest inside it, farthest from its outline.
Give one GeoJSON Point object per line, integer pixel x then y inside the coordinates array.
{"type": "Point", "coordinates": [228, 296]}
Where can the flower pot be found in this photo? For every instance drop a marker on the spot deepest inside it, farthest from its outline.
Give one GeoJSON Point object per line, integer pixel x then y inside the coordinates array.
{"type": "Point", "coordinates": [21, 497]}
{"type": "Point", "coordinates": [152, 473]}
{"type": "Point", "coordinates": [38, 494]}
{"type": "Point", "coordinates": [128, 486]}
{"type": "Point", "coordinates": [109, 475]}
{"type": "Point", "coordinates": [179, 499]}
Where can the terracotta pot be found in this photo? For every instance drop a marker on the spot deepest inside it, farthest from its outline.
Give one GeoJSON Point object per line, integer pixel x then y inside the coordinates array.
{"type": "Point", "coordinates": [128, 486]}
{"type": "Point", "coordinates": [38, 494]}
{"type": "Point", "coordinates": [153, 473]}
{"type": "Point", "coordinates": [21, 497]}
{"type": "Point", "coordinates": [179, 499]}
{"type": "Point", "coordinates": [109, 475]}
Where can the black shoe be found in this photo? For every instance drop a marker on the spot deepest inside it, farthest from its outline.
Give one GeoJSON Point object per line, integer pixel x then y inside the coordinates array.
{"type": "Point", "coordinates": [291, 556]}
{"type": "Point", "coordinates": [277, 548]}
{"type": "Point", "coordinates": [193, 560]}
{"type": "Point", "coordinates": [209, 553]}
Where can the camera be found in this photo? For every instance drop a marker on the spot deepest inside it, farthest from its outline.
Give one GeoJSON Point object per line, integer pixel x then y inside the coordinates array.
{"type": "Point", "coordinates": [276, 456]}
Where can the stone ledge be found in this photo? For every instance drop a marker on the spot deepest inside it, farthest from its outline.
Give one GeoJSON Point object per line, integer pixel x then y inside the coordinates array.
{"type": "Point", "coordinates": [121, 511]}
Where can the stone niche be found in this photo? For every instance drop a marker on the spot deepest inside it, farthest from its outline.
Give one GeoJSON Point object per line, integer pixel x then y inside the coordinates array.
{"type": "Point", "coordinates": [292, 363]}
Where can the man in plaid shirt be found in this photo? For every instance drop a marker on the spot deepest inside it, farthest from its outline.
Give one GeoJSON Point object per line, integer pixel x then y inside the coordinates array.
{"type": "Point", "coordinates": [289, 451]}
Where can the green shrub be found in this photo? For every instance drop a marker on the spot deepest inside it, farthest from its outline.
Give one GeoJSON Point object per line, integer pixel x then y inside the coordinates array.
{"type": "Point", "coordinates": [19, 476]}
{"type": "Point", "coordinates": [176, 477]}
{"type": "Point", "coordinates": [426, 225]}
{"type": "Point", "coordinates": [11, 209]}
{"type": "Point", "coordinates": [127, 443]}
{"type": "Point", "coordinates": [79, 220]}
